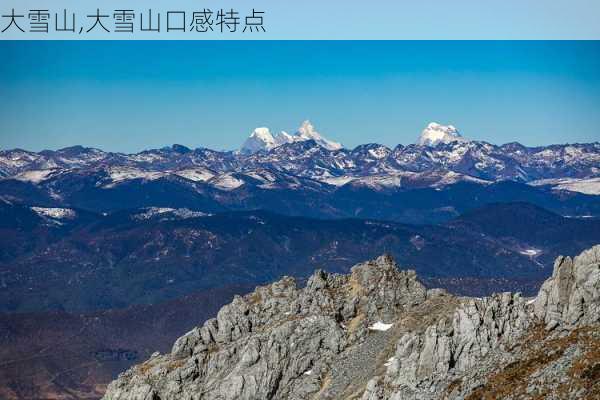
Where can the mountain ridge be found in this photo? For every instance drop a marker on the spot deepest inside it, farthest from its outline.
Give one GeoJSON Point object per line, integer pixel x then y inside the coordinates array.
{"type": "Point", "coordinates": [438, 148]}
{"type": "Point", "coordinates": [378, 333]}
{"type": "Point", "coordinates": [155, 254]}
{"type": "Point", "coordinates": [306, 176]}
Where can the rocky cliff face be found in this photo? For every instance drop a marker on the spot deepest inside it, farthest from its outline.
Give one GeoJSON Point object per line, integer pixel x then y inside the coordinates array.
{"type": "Point", "coordinates": [377, 333]}
{"type": "Point", "coordinates": [571, 295]}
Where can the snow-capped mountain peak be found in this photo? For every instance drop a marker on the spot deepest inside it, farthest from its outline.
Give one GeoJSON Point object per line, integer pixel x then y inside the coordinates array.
{"type": "Point", "coordinates": [436, 133]}
{"type": "Point", "coordinates": [307, 132]}
{"type": "Point", "coordinates": [261, 139]}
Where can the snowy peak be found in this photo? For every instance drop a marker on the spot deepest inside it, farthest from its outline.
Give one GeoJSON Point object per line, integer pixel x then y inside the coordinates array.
{"type": "Point", "coordinates": [261, 139]}
{"type": "Point", "coordinates": [436, 133]}
{"type": "Point", "coordinates": [307, 132]}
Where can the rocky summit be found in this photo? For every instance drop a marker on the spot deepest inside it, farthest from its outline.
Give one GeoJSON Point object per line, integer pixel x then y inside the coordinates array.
{"type": "Point", "coordinates": [378, 333]}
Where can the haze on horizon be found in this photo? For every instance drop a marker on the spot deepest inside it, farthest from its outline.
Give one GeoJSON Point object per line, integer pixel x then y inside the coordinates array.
{"type": "Point", "coordinates": [131, 96]}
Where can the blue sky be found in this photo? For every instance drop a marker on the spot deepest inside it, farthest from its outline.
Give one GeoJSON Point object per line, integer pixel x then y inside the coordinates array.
{"type": "Point", "coordinates": [129, 96]}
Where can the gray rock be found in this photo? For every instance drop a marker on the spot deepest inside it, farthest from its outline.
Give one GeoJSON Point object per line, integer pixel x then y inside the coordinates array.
{"type": "Point", "coordinates": [319, 342]}
{"type": "Point", "coordinates": [277, 342]}
{"type": "Point", "coordinates": [572, 294]}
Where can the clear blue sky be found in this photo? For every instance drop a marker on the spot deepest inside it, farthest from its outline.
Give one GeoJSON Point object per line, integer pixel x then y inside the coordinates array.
{"type": "Point", "coordinates": [129, 96]}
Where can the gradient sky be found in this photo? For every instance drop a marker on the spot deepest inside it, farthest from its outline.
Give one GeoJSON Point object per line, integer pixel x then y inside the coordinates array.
{"type": "Point", "coordinates": [129, 96]}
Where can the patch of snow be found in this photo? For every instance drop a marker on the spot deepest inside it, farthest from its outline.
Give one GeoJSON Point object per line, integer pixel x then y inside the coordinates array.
{"type": "Point", "coordinates": [379, 182]}
{"type": "Point", "coordinates": [379, 152]}
{"type": "Point", "coordinates": [418, 242]}
{"type": "Point", "coordinates": [263, 176]}
{"type": "Point", "coordinates": [377, 223]}
{"type": "Point", "coordinates": [226, 182]}
{"type": "Point", "coordinates": [530, 252]}
{"type": "Point", "coordinates": [187, 213]}
{"type": "Point", "coordinates": [389, 361]}
{"type": "Point", "coordinates": [309, 372]}
{"type": "Point", "coordinates": [585, 186]}
{"type": "Point", "coordinates": [337, 180]}
{"type": "Point", "coordinates": [152, 212]}
{"type": "Point", "coordinates": [145, 157]}
{"type": "Point", "coordinates": [181, 213]}
{"type": "Point", "coordinates": [380, 326]}
{"type": "Point", "coordinates": [54, 195]}
{"type": "Point", "coordinates": [121, 174]}
{"type": "Point", "coordinates": [451, 177]}
{"type": "Point", "coordinates": [196, 175]}
{"type": "Point", "coordinates": [547, 153]}
{"type": "Point", "coordinates": [55, 213]}
{"type": "Point", "coordinates": [256, 219]}
{"type": "Point", "coordinates": [34, 176]}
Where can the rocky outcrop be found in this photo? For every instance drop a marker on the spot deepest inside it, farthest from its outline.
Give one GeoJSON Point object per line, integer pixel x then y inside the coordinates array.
{"type": "Point", "coordinates": [374, 334]}
{"type": "Point", "coordinates": [572, 294]}
{"type": "Point", "coordinates": [425, 360]}
{"type": "Point", "coordinates": [277, 342]}
{"type": "Point", "coordinates": [482, 334]}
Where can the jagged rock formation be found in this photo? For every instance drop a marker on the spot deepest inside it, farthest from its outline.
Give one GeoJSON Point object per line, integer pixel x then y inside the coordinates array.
{"type": "Point", "coordinates": [571, 294]}
{"type": "Point", "coordinates": [379, 334]}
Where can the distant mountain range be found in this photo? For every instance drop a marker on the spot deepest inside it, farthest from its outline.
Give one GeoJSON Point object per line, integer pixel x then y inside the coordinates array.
{"type": "Point", "coordinates": [305, 174]}
{"type": "Point", "coordinates": [75, 260]}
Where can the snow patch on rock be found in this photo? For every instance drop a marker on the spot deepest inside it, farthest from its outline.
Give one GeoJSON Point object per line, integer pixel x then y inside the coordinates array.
{"type": "Point", "coordinates": [55, 212]}
{"type": "Point", "coordinates": [585, 186]}
{"type": "Point", "coordinates": [176, 213]}
{"type": "Point", "coordinates": [380, 326]}
{"type": "Point", "coordinates": [122, 174]}
{"type": "Point", "coordinates": [226, 182]}
{"type": "Point", "coordinates": [530, 252]}
{"type": "Point", "coordinates": [196, 175]}
{"type": "Point", "coordinates": [35, 176]}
